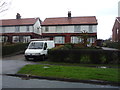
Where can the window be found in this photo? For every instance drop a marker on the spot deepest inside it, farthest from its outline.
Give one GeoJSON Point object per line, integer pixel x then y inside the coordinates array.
{"type": "Point", "coordinates": [91, 40]}
{"type": "Point", "coordinates": [76, 39]}
{"type": "Point", "coordinates": [23, 39]}
{"type": "Point", "coordinates": [77, 29]}
{"type": "Point", "coordinates": [59, 29]}
{"type": "Point", "coordinates": [3, 38]}
{"type": "Point", "coordinates": [3, 29]}
{"type": "Point", "coordinates": [90, 29]}
{"type": "Point", "coordinates": [28, 29]}
{"type": "Point", "coordinates": [15, 39]}
{"type": "Point", "coordinates": [46, 29]}
{"type": "Point", "coordinates": [59, 39]}
{"type": "Point", "coordinates": [36, 45]}
{"type": "Point", "coordinates": [17, 29]}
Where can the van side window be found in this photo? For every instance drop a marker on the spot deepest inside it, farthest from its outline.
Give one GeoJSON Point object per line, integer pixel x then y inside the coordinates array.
{"type": "Point", "coordinates": [45, 46]}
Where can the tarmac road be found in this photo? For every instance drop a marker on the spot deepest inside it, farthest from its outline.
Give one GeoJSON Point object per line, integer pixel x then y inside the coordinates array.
{"type": "Point", "coordinates": [10, 65]}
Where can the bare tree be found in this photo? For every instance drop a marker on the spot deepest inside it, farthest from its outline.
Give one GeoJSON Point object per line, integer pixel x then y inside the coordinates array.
{"type": "Point", "coordinates": [4, 5]}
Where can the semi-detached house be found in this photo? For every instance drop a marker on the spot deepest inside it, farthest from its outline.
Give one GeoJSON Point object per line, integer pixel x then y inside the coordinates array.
{"type": "Point", "coordinates": [20, 29]}
{"type": "Point", "coordinates": [69, 29]}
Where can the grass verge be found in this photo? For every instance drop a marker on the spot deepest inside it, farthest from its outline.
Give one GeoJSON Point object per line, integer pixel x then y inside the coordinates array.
{"type": "Point", "coordinates": [72, 72]}
{"type": "Point", "coordinates": [78, 64]}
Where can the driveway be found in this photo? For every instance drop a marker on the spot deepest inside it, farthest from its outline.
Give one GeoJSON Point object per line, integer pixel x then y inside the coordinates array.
{"type": "Point", "coordinates": [10, 65]}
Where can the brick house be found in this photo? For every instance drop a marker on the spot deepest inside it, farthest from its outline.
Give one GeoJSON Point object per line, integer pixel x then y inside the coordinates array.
{"type": "Point", "coordinates": [69, 29]}
{"type": "Point", "coordinates": [116, 30]}
{"type": "Point", "coordinates": [19, 29]}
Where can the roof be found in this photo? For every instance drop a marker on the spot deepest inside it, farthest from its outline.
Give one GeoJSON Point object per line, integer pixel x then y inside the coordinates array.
{"type": "Point", "coordinates": [70, 21]}
{"type": "Point", "coordinates": [17, 22]}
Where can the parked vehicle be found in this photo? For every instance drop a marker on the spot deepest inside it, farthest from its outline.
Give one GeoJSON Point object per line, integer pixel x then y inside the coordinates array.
{"type": "Point", "coordinates": [38, 49]}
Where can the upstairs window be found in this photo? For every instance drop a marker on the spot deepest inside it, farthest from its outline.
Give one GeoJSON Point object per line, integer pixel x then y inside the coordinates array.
{"type": "Point", "coordinates": [90, 28]}
{"type": "Point", "coordinates": [46, 29]}
{"type": "Point", "coordinates": [77, 29]}
{"type": "Point", "coordinates": [27, 28]}
{"type": "Point", "coordinates": [59, 29]}
{"type": "Point", "coordinates": [3, 29]}
{"type": "Point", "coordinates": [17, 29]}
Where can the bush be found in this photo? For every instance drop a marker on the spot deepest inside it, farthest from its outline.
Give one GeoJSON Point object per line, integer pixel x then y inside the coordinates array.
{"type": "Point", "coordinates": [112, 44]}
{"type": "Point", "coordinates": [12, 48]}
{"type": "Point", "coordinates": [93, 56]}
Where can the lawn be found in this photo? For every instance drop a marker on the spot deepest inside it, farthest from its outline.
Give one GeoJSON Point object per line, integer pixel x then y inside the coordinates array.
{"type": "Point", "coordinates": [73, 72]}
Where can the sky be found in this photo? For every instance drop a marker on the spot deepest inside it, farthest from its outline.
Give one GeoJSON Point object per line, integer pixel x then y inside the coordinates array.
{"type": "Point", "coordinates": [105, 11]}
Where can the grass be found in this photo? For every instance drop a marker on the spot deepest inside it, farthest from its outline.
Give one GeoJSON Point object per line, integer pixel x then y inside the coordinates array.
{"type": "Point", "coordinates": [73, 72]}
{"type": "Point", "coordinates": [78, 64]}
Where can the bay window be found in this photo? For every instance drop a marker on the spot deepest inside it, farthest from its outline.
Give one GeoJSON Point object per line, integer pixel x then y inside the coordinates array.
{"type": "Point", "coordinates": [59, 39]}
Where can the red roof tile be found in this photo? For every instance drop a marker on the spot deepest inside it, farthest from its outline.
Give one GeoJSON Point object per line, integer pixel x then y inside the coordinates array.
{"type": "Point", "coordinates": [15, 22]}
{"type": "Point", "coordinates": [70, 21]}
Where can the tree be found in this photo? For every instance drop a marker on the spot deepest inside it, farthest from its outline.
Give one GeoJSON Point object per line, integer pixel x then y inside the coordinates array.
{"type": "Point", "coordinates": [4, 5]}
{"type": "Point", "coordinates": [84, 37]}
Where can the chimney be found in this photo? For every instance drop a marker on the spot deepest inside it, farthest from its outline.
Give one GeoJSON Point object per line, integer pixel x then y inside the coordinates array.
{"type": "Point", "coordinates": [69, 14]}
{"type": "Point", "coordinates": [18, 16]}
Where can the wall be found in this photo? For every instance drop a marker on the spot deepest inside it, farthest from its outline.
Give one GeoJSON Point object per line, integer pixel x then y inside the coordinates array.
{"type": "Point", "coordinates": [37, 27]}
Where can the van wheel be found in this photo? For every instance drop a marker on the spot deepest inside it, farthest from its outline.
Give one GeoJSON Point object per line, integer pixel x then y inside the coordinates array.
{"type": "Point", "coordinates": [26, 58]}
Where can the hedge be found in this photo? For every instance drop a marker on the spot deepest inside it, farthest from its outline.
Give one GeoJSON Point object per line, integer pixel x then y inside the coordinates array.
{"type": "Point", "coordinates": [9, 49]}
{"type": "Point", "coordinates": [113, 45]}
{"type": "Point", "coordinates": [94, 56]}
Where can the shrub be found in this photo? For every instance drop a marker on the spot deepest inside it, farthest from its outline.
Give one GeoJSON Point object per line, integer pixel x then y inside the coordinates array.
{"type": "Point", "coordinates": [12, 48]}
{"type": "Point", "coordinates": [85, 59]}
{"type": "Point", "coordinates": [93, 56]}
{"type": "Point", "coordinates": [113, 44]}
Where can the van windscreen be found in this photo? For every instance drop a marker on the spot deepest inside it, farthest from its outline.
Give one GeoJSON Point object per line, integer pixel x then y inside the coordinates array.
{"type": "Point", "coordinates": [36, 45]}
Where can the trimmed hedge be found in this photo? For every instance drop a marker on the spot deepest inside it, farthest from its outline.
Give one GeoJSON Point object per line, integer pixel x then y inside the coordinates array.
{"type": "Point", "coordinates": [113, 45]}
{"type": "Point", "coordinates": [94, 56]}
{"type": "Point", "coordinates": [9, 49]}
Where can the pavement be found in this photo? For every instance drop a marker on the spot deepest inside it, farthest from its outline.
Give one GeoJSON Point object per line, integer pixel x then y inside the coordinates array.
{"type": "Point", "coordinates": [106, 48]}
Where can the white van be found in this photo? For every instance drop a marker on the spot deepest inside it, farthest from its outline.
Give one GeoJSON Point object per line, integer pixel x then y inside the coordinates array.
{"type": "Point", "coordinates": [38, 49]}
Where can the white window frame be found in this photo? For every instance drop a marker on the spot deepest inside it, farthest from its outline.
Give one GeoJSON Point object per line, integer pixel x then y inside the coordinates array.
{"type": "Point", "coordinates": [15, 39]}
{"type": "Point", "coordinates": [46, 28]}
{"type": "Point", "coordinates": [3, 38]}
{"type": "Point", "coordinates": [17, 29]}
{"type": "Point", "coordinates": [27, 28]}
{"type": "Point", "coordinates": [90, 28]}
{"type": "Point", "coordinates": [59, 39]}
{"type": "Point", "coordinates": [76, 39]}
{"type": "Point", "coordinates": [77, 29]}
{"type": "Point", "coordinates": [59, 29]}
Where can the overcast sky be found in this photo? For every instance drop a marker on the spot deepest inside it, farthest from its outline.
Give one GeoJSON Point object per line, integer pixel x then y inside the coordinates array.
{"type": "Point", "coordinates": [105, 11]}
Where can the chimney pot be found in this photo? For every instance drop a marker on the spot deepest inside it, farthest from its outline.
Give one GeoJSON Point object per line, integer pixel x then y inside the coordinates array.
{"type": "Point", "coordinates": [18, 16]}
{"type": "Point", "coordinates": [69, 14]}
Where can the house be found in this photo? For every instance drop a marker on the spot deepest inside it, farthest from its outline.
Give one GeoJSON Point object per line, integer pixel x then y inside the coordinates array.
{"type": "Point", "coordinates": [70, 29]}
{"type": "Point", "coordinates": [19, 29]}
{"type": "Point", "coordinates": [116, 30]}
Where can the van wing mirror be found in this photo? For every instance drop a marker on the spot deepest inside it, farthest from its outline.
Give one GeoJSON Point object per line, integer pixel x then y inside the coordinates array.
{"type": "Point", "coordinates": [45, 46]}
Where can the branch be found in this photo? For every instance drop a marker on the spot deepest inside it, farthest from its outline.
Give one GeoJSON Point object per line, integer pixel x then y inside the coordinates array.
{"type": "Point", "coordinates": [4, 5]}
